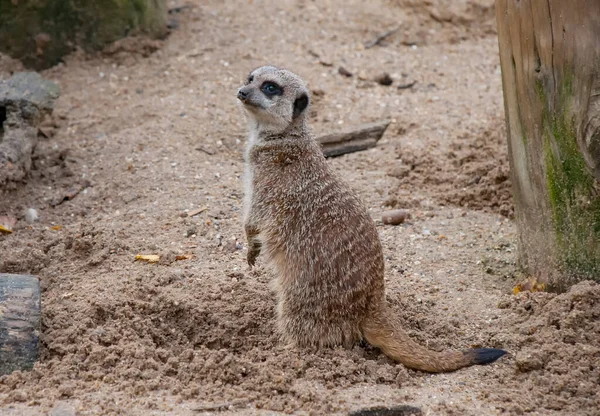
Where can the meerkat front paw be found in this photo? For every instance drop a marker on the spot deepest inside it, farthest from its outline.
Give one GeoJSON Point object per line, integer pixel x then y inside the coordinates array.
{"type": "Point", "coordinates": [253, 252]}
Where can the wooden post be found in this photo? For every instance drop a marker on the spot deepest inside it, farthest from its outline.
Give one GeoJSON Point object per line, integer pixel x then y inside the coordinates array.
{"type": "Point", "coordinates": [550, 60]}
{"type": "Point", "coordinates": [19, 322]}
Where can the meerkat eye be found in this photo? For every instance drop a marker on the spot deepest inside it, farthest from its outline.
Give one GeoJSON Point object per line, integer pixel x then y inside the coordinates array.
{"type": "Point", "coordinates": [270, 89]}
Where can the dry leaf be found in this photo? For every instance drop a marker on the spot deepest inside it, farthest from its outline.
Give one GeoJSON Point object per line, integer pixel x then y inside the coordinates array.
{"type": "Point", "coordinates": [184, 257]}
{"type": "Point", "coordinates": [150, 258]}
{"type": "Point", "coordinates": [531, 285]}
{"type": "Point", "coordinates": [56, 227]}
{"type": "Point", "coordinates": [7, 224]}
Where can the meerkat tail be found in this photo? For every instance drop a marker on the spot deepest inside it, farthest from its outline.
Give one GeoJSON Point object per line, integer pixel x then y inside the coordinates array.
{"type": "Point", "coordinates": [380, 332]}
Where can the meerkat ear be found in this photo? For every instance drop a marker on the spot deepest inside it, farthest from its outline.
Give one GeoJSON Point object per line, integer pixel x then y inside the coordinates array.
{"type": "Point", "coordinates": [300, 105]}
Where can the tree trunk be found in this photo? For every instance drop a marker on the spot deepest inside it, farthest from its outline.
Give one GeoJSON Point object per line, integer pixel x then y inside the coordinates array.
{"type": "Point", "coordinates": [19, 322]}
{"type": "Point", "coordinates": [550, 60]}
{"type": "Point", "coordinates": [41, 32]}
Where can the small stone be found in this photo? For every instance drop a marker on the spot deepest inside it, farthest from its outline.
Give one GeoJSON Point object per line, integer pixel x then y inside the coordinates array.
{"type": "Point", "coordinates": [231, 246]}
{"type": "Point", "coordinates": [529, 361]}
{"type": "Point", "coordinates": [384, 79]}
{"type": "Point", "coordinates": [191, 231]}
{"type": "Point", "coordinates": [343, 71]}
{"type": "Point", "coordinates": [399, 172]}
{"type": "Point", "coordinates": [395, 217]}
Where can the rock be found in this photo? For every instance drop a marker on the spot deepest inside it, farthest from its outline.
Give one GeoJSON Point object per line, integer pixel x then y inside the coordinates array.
{"type": "Point", "coordinates": [232, 246]}
{"type": "Point", "coordinates": [395, 217]}
{"type": "Point", "coordinates": [343, 71]}
{"type": "Point", "coordinates": [529, 361]}
{"type": "Point", "coordinates": [384, 79]}
{"type": "Point", "coordinates": [31, 215]}
{"type": "Point", "coordinates": [399, 172]}
{"type": "Point", "coordinates": [25, 99]}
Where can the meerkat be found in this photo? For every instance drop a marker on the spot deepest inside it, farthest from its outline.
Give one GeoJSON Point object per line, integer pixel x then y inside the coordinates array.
{"type": "Point", "coordinates": [317, 236]}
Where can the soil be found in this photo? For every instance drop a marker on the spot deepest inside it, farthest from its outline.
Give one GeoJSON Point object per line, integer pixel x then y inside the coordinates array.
{"type": "Point", "coordinates": [150, 130]}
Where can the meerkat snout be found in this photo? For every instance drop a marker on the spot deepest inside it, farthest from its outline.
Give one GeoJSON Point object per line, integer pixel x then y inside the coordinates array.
{"type": "Point", "coordinates": [242, 94]}
{"type": "Point", "coordinates": [274, 99]}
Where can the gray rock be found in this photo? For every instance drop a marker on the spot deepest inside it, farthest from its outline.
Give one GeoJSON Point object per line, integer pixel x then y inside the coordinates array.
{"type": "Point", "coordinates": [24, 100]}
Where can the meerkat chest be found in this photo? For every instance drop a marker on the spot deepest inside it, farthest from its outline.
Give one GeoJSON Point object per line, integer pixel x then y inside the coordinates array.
{"type": "Point", "coordinates": [248, 179]}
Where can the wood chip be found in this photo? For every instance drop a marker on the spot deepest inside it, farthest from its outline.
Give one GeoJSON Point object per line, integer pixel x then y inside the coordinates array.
{"type": "Point", "coordinates": [150, 258]}
{"type": "Point", "coordinates": [343, 71]}
{"type": "Point", "coordinates": [197, 211]}
{"type": "Point", "coordinates": [407, 86]}
{"type": "Point", "coordinates": [380, 38]}
{"type": "Point", "coordinates": [354, 139]}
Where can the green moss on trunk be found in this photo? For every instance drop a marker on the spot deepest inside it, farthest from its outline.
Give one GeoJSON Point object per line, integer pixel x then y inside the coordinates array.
{"type": "Point", "coordinates": [572, 190]}
{"type": "Point", "coordinates": [41, 32]}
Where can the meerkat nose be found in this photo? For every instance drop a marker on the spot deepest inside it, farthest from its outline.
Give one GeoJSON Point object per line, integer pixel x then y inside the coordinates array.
{"type": "Point", "coordinates": [242, 94]}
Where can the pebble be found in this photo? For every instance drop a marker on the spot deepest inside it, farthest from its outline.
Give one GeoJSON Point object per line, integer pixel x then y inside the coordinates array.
{"type": "Point", "coordinates": [384, 79]}
{"type": "Point", "coordinates": [395, 217]}
{"type": "Point", "coordinates": [31, 215]}
{"type": "Point", "coordinates": [343, 71]}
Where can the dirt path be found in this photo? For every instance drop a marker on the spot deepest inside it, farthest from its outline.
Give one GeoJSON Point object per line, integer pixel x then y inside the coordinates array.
{"type": "Point", "coordinates": [158, 135]}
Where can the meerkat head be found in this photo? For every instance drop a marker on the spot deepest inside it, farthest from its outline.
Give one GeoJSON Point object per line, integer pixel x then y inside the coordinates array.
{"type": "Point", "coordinates": [274, 99]}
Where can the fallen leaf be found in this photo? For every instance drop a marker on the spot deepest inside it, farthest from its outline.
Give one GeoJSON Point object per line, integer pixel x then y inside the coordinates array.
{"type": "Point", "coordinates": [56, 227]}
{"type": "Point", "coordinates": [7, 224]}
{"type": "Point", "coordinates": [531, 285]}
{"type": "Point", "coordinates": [150, 258]}
{"type": "Point", "coordinates": [184, 257]}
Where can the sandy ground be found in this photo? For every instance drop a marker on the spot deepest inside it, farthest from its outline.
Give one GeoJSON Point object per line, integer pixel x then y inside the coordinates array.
{"type": "Point", "coordinates": [154, 129]}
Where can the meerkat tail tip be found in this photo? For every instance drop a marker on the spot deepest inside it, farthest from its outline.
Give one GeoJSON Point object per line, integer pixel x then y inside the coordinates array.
{"type": "Point", "coordinates": [485, 355]}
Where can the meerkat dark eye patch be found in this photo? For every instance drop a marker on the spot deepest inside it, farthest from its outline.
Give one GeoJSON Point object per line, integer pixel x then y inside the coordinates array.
{"type": "Point", "coordinates": [250, 79]}
{"type": "Point", "coordinates": [300, 105]}
{"type": "Point", "coordinates": [270, 89]}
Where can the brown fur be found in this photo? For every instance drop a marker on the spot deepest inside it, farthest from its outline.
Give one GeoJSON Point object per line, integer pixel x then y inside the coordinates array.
{"type": "Point", "coordinates": [320, 240]}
